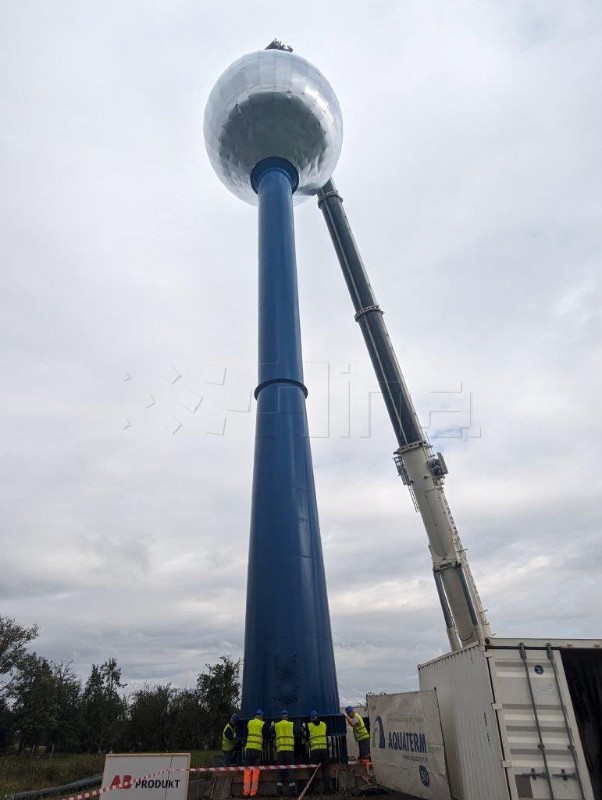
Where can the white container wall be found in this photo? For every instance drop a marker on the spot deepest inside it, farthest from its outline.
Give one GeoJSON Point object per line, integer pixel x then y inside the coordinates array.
{"type": "Point", "coordinates": [514, 726]}
{"type": "Point", "coordinates": [470, 734]}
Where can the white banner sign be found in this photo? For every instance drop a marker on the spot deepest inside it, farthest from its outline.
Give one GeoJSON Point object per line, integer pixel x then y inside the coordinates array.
{"type": "Point", "coordinates": [133, 776]}
{"type": "Point", "coordinates": [406, 744]}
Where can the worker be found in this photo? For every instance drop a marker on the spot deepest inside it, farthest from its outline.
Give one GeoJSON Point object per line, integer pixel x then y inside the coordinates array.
{"type": "Point", "coordinates": [257, 730]}
{"type": "Point", "coordinates": [229, 740]}
{"type": "Point", "coordinates": [318, 746]}
{"type": "Point", "coordinates": [284, 731]}
{"type": "Point", "coordinates": [360, 732]}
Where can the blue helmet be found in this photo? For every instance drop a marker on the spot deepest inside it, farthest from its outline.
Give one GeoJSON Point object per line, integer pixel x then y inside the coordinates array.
{"type": "Point", "coordinates": [259, 712]}
{"type": "Point", "coordinates": [234, 718]}
{"type": "Point", "coordinates": [284, 713]}
{"type": "Point", "coordinates": [313, 714]}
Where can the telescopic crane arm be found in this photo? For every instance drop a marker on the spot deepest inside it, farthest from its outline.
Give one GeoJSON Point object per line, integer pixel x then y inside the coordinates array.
{"type": "Point", "coordinates": [422, 470]}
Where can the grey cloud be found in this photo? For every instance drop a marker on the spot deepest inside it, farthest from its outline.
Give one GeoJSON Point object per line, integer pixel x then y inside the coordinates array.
{"type": "Point", "coordinates": [470, 171]}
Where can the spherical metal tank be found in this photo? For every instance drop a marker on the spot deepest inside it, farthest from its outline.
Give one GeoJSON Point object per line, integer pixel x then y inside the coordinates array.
{"type": "Point", "coordinates": [273, 103]}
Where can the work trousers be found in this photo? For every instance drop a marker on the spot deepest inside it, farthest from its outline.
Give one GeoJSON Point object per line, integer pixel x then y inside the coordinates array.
{"type": "Point", "coordinates": [321, 757]}
{"type": "Point", "coordinates": [364, 746]}
{"type": "Point", "coordinates": [288, 775]}
{"type": "Point", "coordinates": [252, 772]}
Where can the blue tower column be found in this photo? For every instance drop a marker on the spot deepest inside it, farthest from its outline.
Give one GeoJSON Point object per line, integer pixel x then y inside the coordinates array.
{"type": "Point", "coordinates": [288, 653]}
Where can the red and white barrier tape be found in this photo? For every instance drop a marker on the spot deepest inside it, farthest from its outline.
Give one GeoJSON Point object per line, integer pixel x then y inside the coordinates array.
{"type": "Point", "coordinates": [133, 784]}
{"type": "Point", "coordinates": [308, 784]}
{"type": "Point", "coordinates": [239, 769]}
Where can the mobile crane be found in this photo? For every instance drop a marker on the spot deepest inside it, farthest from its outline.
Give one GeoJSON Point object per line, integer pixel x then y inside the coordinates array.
{"type": "Point", "coordinates": [421, 469]}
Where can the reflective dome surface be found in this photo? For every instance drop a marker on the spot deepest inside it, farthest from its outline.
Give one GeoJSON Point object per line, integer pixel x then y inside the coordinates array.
{"type": "Point", "coordinates": [273, 103]}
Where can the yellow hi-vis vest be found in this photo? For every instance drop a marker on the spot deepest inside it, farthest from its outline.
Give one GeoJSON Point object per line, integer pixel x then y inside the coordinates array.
{"type": "Point", "coordinates": [228, 744]}
{"type": "Point", "coordinates": [317, 736]}
{"type": "Point", "coordinates": [285, 738]}
{"type": "Point", "coordinates": [254, 734]}
{"type": "Point", "coordinates": [359, 731]}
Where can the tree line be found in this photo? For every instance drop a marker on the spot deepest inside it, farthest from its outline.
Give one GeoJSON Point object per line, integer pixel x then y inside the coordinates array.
{"type": "Point", "coordinates": [44, 704]}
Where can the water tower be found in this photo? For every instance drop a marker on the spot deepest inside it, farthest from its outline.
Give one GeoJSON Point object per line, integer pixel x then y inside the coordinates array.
{"type": "Point", "coordinates": [273, 132]}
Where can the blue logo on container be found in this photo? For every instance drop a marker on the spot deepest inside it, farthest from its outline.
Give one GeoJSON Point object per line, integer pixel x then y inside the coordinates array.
{"type": "Point", "coordinates": [538, 669]}
{"type": "Point", "coordinates": [424, 776]}
{"type": "Point", "coordinates": [378, 724]}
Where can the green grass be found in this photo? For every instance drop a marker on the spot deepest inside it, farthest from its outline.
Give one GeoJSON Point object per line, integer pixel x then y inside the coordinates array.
{"type": "Point", "coordinates": [25, 772]}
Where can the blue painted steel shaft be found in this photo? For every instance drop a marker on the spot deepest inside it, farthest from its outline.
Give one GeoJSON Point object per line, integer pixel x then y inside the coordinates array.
{"type": "Point", "coordinates": [288, 659]}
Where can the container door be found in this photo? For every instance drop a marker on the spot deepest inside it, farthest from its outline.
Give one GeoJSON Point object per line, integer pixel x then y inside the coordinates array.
{"type": "Point", "coordinates": [583, 672]}
{"type": "Point", "coordinates": [540, 739]}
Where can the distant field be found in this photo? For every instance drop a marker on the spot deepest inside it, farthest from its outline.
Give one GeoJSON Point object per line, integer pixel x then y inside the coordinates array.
{"type": "Point", "coordinates": [25, 772]}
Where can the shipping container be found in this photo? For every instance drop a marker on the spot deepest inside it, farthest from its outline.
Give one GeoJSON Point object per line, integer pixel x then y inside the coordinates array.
{"type": "Point", "coordinates": [521, 719]}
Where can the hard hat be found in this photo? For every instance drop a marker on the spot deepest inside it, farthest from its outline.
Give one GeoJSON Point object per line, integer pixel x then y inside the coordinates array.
{"type": "Point", "coordinates": [313, 714]}
{"type": "Point", "coordinates": [349, 709]}
{"type": "Point", "coordinates": [234, 718]}
{"type": "Point", "coordinates": [259, 712]}
{"type": "Point", "coordinates": [284, 713]}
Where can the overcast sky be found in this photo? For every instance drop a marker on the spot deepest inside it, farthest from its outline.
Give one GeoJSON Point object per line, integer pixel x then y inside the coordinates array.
{"type": "Point", "coordinates": [472, 176]}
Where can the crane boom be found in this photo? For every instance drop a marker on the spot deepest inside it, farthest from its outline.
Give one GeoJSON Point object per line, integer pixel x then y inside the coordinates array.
{"type": "Point", "coordinates": [422, 470]}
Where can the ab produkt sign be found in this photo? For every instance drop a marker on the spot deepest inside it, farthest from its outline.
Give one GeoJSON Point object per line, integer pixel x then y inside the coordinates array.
{"type": "Point", "coordinates": [147, 776]}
